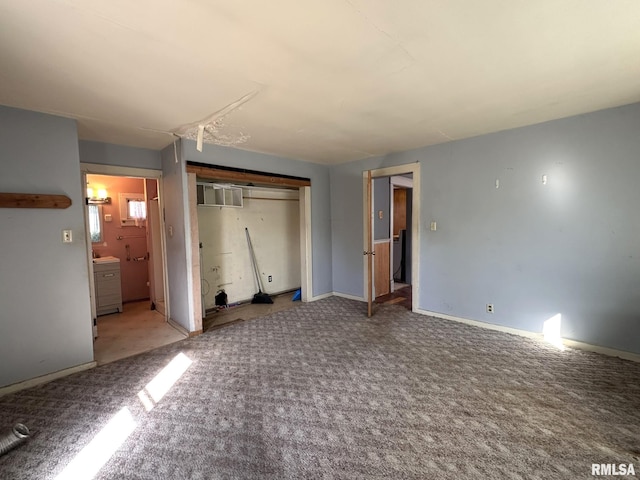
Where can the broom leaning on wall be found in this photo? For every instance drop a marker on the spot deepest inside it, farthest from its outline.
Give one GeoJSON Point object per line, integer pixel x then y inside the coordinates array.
{"type": "Point", "coordinates": [259, 297]}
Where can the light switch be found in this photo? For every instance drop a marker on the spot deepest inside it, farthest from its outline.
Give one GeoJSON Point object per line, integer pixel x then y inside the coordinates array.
{"type": "Point", "coordinates": [170, 231]}
{"type": "Point", "coordinates": [108, 217]}
{"type": "Point", "coordinates": [433, 226]}
{"type": "Point", "coordinates": [380, 214]}
{"type": "Point", "coordinates": [67, 236]}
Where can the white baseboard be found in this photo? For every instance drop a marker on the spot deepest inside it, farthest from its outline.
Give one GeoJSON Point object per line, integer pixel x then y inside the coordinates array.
{"type": "Point", "coordinates": [337, 294]}
{"type": "Point", "coordinates": [32, 382]}
{"type": "Point", "coordinates": [612, 352]}
{"type": "Point", "coordinates": [320, 297]}
{"type": "Point", "coordinates": [350, 297]}
{"type": "Point", "coordinates": [489, 326]}
{"type": "Point", "coordinates": [178, 327]}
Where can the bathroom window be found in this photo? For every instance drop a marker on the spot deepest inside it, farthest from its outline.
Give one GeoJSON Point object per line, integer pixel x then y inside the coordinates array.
{"type": "Point", "coordinates": [95, 225]}
{"type": "Point", "coordinates": [133, 209]}
{"type": "Point", "coordinates": [137, 209]}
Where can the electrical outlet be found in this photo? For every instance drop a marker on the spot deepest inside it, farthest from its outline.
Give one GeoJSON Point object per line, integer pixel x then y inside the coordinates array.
{"type": "Point", "coordinates": [489, 307]}
{"type": "Point", "coordinates": [270, 278]}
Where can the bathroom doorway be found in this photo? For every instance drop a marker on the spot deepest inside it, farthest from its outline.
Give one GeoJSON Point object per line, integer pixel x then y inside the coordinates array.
{"type": "Point", "coordinates": [127, 261]}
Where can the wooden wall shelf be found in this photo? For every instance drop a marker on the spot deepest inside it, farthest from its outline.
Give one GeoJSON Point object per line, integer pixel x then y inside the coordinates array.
{"type": "Point", "coordinates": [33, 200]}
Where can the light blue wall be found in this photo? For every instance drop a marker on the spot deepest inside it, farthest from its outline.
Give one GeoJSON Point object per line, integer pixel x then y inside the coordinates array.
{"type": "Point", "coordinates": [320, 193]}
{"type": "Point", "coordinates": [109, 154]}
{"type": "Point", "coordinates": [347, 221]}
{"type": "Point", "coordinates": [533, 250]}
{"type": "Point", "coordinates": [45, 319]}
{"type": "Point", "coordinates": [570, 246]}
{"type": "Point", "coordinates": [176, 210]}
{"type": "Point", "coordinates": [381, 199]}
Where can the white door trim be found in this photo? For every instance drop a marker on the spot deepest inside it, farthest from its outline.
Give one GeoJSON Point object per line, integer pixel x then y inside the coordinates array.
{"type": "Point", "coordinates": [306, 264]}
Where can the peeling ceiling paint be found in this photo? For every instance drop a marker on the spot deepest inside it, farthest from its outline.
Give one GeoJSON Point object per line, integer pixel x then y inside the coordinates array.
{"type": "Point", "coordinates": [213, 133]}
{"type": "Point", "coordinates": [211, 128]}
{"type": "Point", "coordinates": [337, 80]}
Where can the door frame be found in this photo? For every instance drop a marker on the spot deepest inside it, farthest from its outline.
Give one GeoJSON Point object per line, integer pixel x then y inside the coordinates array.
{"type": "Point", "coordinates": [395, 182]}
{"type": "Point", "coordinates": [305, 241]}
{"type": "Point", "coordinates": [118, 171]}
{"type": "Point", "coordinates": [306, 259]}
{"type": "Point", "coordinates": [414, 169]}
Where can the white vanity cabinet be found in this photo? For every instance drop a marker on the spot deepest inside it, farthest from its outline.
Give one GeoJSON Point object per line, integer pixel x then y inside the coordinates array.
{"type": "Point", "coordinates": [106, 273]}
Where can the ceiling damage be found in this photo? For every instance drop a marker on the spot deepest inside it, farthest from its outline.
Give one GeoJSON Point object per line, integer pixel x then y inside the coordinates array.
{"type": "Point", "coordinates": [211, 128]}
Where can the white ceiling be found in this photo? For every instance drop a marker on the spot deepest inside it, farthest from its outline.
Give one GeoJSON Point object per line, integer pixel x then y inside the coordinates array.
{"type": "Point", "coordinates": [334, 80]}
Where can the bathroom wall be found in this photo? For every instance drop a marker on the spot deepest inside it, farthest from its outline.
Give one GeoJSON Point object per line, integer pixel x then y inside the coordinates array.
{"type": "Point", "coordinates": [134, 274]}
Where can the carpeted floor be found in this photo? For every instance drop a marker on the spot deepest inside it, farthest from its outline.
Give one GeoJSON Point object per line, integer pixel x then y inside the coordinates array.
{"type": "Point", "coordinates": [322, 392]}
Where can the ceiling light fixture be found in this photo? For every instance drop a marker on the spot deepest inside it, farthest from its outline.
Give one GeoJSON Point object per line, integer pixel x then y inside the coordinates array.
{"type": "Point", "coordinates": [101, 198]}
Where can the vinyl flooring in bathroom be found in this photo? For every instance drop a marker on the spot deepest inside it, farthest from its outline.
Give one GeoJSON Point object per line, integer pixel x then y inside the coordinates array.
{"type": "Point", "coordinates": [136, 330]}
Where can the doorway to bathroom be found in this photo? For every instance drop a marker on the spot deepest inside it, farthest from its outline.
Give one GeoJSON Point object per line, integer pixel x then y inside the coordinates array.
{"type": "Point", "coordinates": [126, 256]}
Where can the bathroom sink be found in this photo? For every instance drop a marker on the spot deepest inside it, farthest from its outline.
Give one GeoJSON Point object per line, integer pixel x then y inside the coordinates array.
{"type": "Point", "coordinates": [106, 260]}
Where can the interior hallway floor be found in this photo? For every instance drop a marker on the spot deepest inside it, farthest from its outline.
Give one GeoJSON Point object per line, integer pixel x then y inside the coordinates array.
{"type": "Point", "coordinates": [136, 330]}
{"type": "Point", "coordinates": [402, 295]}
{"type": "Point", "coordinates": [248, 311]}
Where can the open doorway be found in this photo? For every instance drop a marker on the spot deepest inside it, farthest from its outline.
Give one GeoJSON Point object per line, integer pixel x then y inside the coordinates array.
{"type": "Point", "coordinates": [126, 263]}
{"type": "Point", "coordinates": [401, 204]}
{"type": "Point", "coordinates": [392, 202]}
{"type": "Point", "coordinates": [391, 219]}
{"type": "Point", "coordinates": [270, 218]}
{"type": "Point", "coordinates": [275, 212]}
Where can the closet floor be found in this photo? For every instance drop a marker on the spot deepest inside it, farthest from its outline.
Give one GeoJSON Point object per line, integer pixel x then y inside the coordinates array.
{"type": "Point", "coordinates": [248, 311]}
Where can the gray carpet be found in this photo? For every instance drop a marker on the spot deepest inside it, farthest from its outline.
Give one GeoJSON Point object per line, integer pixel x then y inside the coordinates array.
{"type": "Point", "coordinates": [320, 391]}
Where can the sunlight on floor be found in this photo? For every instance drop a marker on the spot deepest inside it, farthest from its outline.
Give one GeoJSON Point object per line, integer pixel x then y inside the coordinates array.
{"type": "Point", "coordinates": [93, 457]}
{"type": "Point", "coordinates": [163, 381]}
{"type": "Point", "coordinates": [551, 331]}
{"type": "Point", "coordinates": [97, 453]}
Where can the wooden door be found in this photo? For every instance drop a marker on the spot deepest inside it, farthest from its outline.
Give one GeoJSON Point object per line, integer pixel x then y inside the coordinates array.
{"type": "Point", "coordinates": [382, 282]}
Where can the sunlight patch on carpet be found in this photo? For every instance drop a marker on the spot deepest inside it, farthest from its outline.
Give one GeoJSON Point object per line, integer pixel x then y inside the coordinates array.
{"type": "Point", "coordinates": [92, 458]}
{"type": "Point", "coordinates": [163, 381]}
